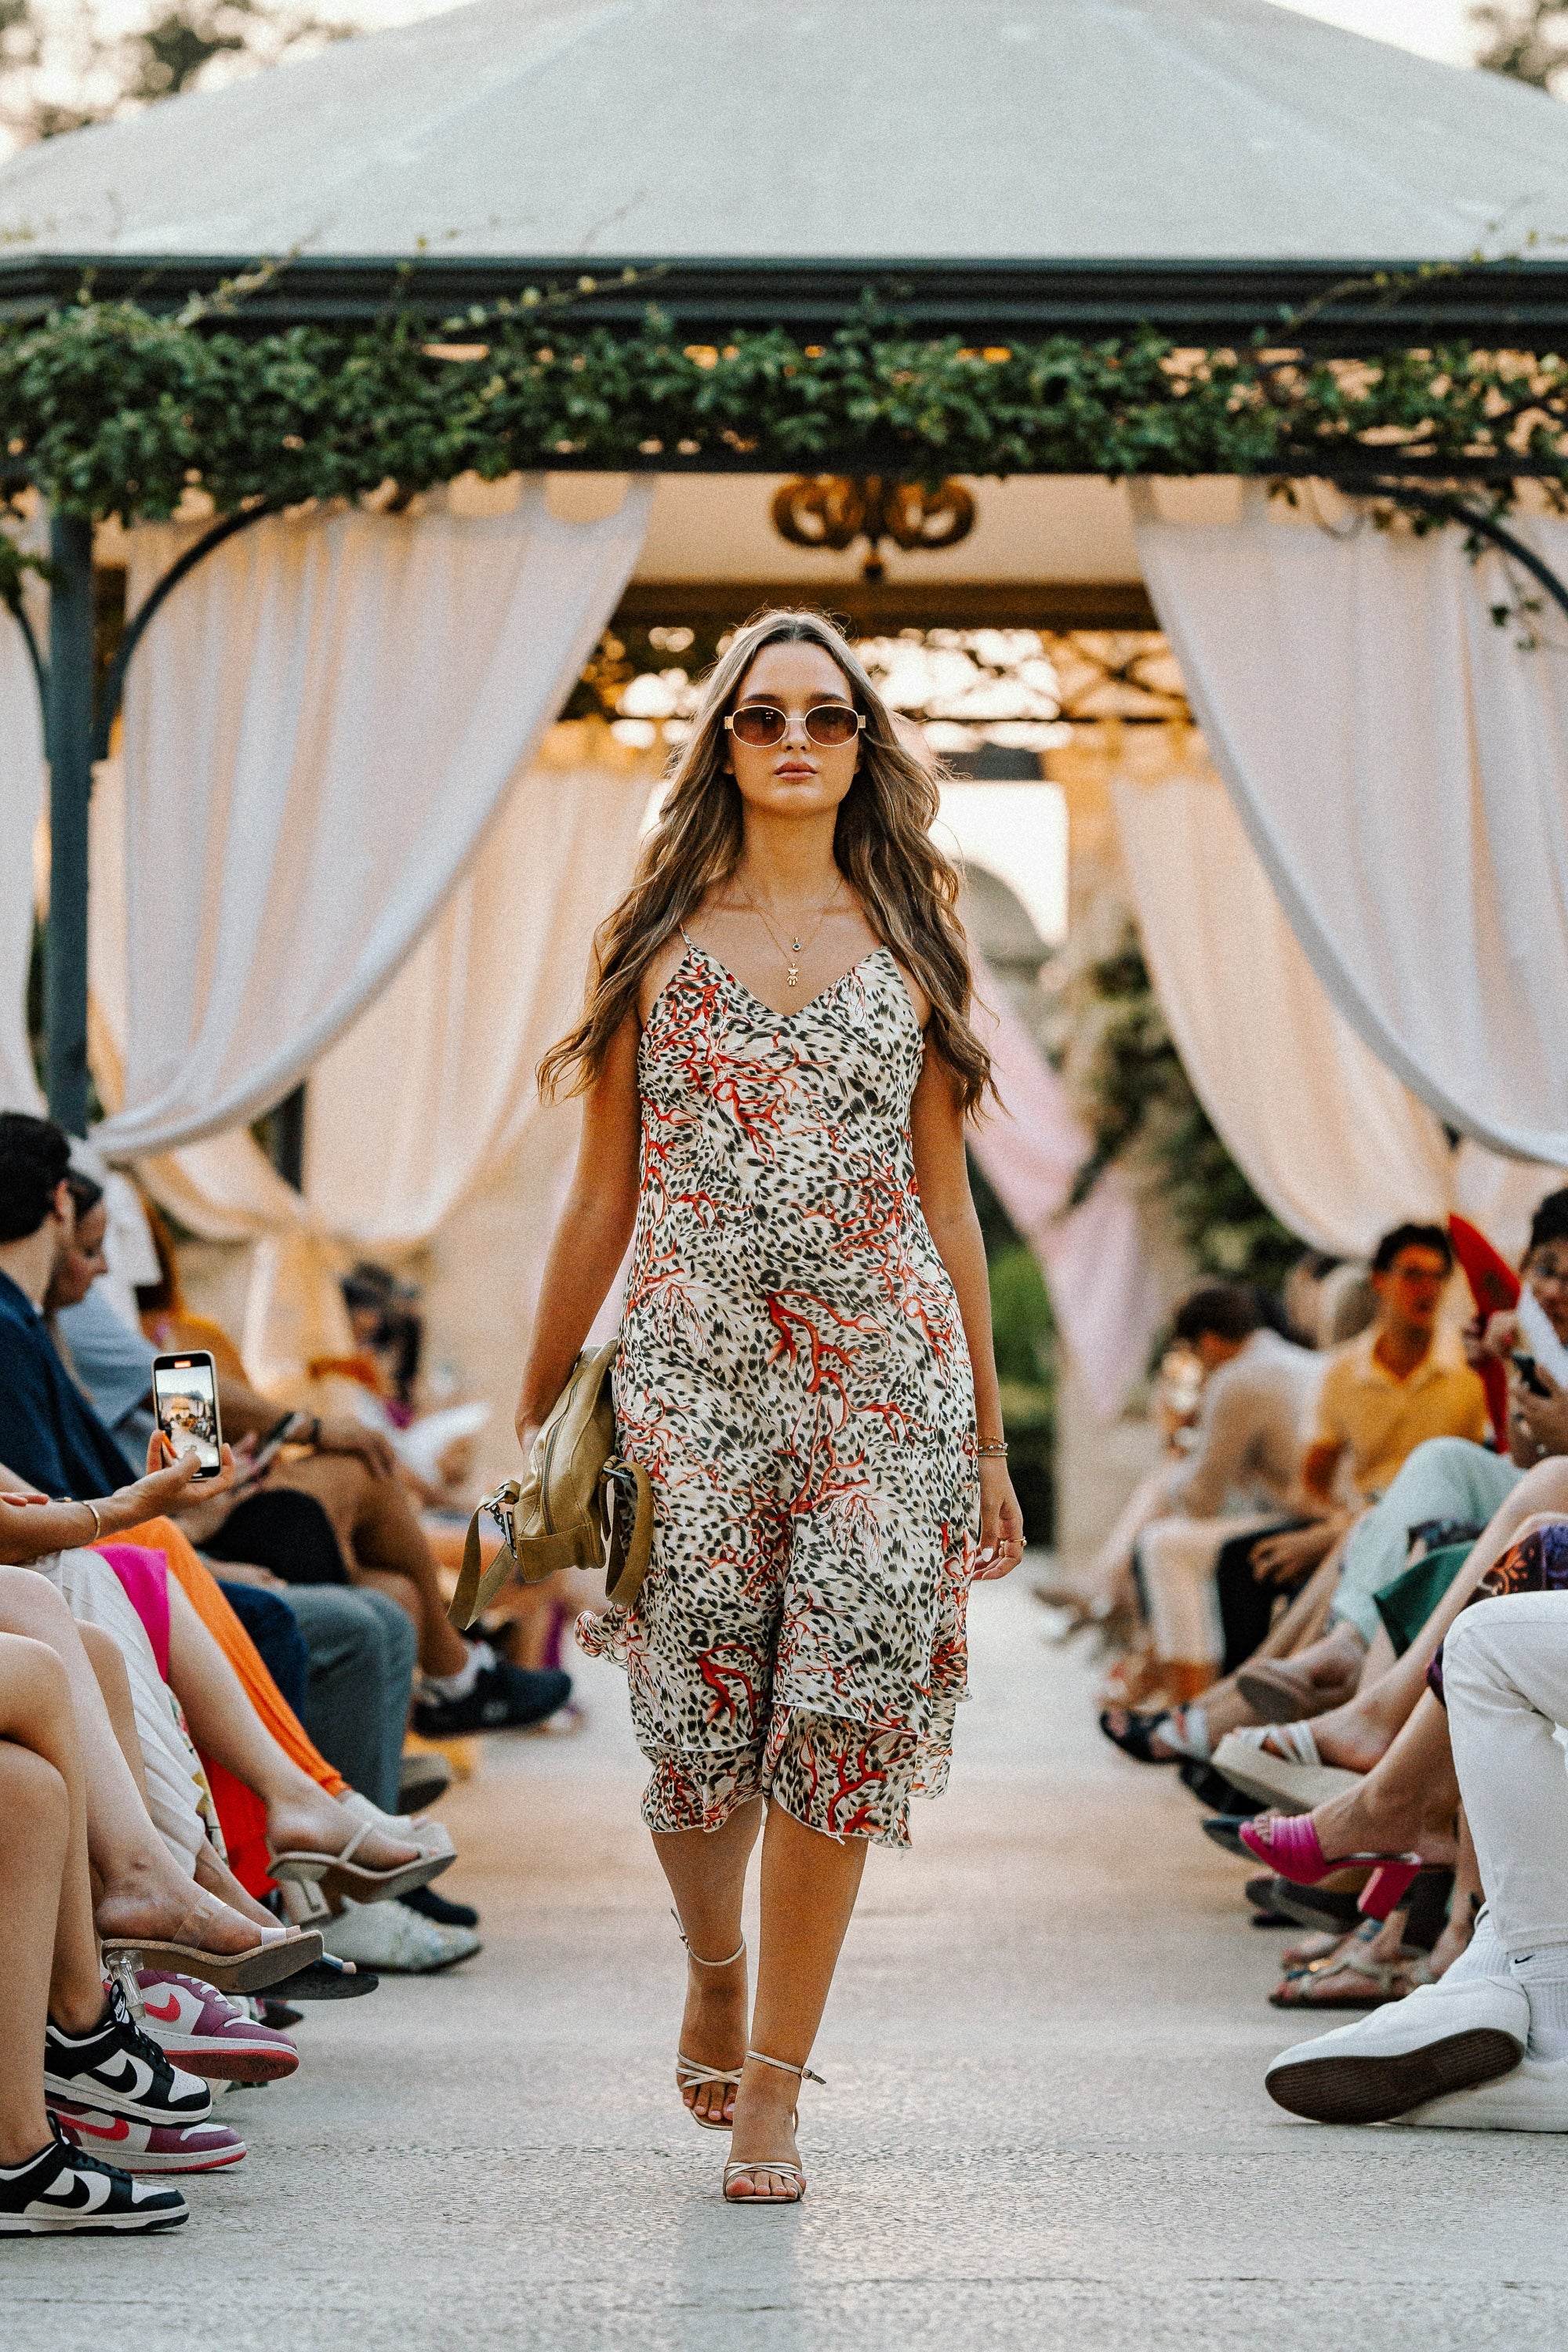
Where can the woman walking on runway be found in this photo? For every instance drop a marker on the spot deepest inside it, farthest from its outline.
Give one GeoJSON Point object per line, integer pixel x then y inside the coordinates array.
{"type": "Point", "coordinates": [776, 1065]}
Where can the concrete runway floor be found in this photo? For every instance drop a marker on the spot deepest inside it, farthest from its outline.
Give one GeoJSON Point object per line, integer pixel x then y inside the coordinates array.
{"type": "Point", "coordinates": [1044, 2124]}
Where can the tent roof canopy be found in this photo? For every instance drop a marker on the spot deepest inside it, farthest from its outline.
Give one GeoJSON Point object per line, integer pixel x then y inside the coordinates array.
{"type": "Point", "coordinates": [1023, 164]}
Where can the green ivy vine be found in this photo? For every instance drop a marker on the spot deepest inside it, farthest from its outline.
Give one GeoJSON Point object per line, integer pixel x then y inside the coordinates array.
{"type": "Point", "coordinates": [110, 409]}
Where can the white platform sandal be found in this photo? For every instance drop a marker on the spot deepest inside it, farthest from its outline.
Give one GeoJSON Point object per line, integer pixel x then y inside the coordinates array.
{"type": "Point", "coordinates": [688, 2075]}
{"type": "Point", "coordinates": [783, 2164]}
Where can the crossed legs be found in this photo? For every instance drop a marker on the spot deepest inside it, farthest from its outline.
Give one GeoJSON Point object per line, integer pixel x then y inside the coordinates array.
{"type": "Point", "coordinates": [49, 1960]}
{"type": "Point", "coordinates": [139, 1888]}
{"type": "Point", "coordinates": [226, 1727]}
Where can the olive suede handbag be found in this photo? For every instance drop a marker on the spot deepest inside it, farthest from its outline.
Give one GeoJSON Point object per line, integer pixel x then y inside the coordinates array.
{"type": "Point", "coordinates": [580, 1506]}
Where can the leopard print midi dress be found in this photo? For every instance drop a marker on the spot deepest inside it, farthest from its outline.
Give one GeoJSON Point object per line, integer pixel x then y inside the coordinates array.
{"type": "Point", "coordinates": [793, 1373]}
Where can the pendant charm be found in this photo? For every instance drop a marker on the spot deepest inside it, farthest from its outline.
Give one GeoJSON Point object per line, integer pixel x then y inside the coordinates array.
{"type": "Point", "coordinates": [792, 975]}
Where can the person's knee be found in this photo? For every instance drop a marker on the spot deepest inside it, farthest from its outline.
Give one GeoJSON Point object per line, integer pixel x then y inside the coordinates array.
{"type": "Point", "coordinates": [104, 1656]}
{"type": "Point", "coordinates": [29, 1603]}
{"type": "Point", "coordinates": [34, 1690]}
{"type": "Point", "coordinates": [1545, 1489]}
{"type": "Point", "coordinates": [34, 1803]}
{"type": "Point", "coordinates": [1492, 1643]}
{"type": "Point", "coordinates": [397, 1630]}
{"type": "Point", "coordinates": [399, 1594]}
{"type": "Point", "coordinates": [1440, 1457]}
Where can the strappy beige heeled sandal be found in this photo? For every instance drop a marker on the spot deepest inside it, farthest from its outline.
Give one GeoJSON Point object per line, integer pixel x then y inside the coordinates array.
{"type": "Point", "coordinates": [786, 2165]}
{"type": "Point", "coordinates": [339, 1873]}
{"type": "Point", "coordinates": [688, 2075]}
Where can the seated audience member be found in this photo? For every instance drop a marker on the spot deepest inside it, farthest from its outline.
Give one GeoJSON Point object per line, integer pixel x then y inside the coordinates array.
{"type": "Point", "coordinates": [1448, 1487]}
{"type": "Point", "coordinates": [65, 2041]}
{"type": "Point", "coordinates": [1487, 2048]}
{"type": "Point", "coordinates": [54, 1440]}
{"type": "Point", "coordinates": [1240, 1478]}
{"type": "Point", "coordinates": [357, 1646]}
{"type": "Point", "coordinates": [143, 1890]}
{"type": "Point", "coordinates": [1355, 1735]}
{"type": "Point", "coordinates": [298, 1820]}
{"type": "Point", "coordinates": [1400, 1383]}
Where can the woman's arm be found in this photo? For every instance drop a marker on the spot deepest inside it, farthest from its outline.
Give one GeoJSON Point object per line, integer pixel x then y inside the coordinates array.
{"type": "Point", "coordinates": [942, 1171]}
{"type": "Point", "coordinates": [591, 1233]}
{"type": "Point", "coordinates": [32, 1526]}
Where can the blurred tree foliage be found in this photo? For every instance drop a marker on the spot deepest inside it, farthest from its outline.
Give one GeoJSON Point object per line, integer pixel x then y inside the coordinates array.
{"type": "Point", "coordinates": [60, 75]}
{"type": "Point", "coordinates": [1526, 39]}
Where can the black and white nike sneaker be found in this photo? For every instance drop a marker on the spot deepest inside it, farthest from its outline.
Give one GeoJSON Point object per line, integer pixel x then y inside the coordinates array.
{"type": "Point", "coordinates": [115, 2069]}
{"type": "Point", "coordinates": [59, 2190]}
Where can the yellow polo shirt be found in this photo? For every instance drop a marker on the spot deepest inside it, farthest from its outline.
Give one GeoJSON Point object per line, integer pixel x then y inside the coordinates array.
{"type": "Point", "coordinates": [1380, 1420]}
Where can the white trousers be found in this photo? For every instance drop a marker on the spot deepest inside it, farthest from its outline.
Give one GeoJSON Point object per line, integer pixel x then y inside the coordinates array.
{"type": "Point", "coordinates": [1178, 1559]}
{"type": "Point", "coordinates": [1505, 1679]}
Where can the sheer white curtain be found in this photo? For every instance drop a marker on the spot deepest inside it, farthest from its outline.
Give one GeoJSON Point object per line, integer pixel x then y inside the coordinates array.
{"type": "Point", "coordinates": [1105, 1293]}
{"type": "Point", "coordinates": [1400, 763]}
{"type": "Point", "coordinates": [1325, 1134]}
{"type": "Point", "coordinates": [425, 1095]}
{"type": "Point", "coordinates": [21, 804]}
{"type": "Point", "coordinates": [321, 723]}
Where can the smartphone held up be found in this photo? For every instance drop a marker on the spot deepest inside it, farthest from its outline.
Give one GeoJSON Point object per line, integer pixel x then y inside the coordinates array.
{"type": "Point", "coordinates": [184, 1405]}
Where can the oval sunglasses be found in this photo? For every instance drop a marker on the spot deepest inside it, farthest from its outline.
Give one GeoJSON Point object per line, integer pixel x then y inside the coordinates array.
{"type": "Point", "coordinates": [829, 725]}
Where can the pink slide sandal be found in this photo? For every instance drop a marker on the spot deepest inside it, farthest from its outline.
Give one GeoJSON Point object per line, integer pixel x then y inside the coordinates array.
{"type": "Point", "coordinates": [1289, 1844]}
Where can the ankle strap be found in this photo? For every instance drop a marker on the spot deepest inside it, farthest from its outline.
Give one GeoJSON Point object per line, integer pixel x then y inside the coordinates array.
{"type": "Point", "coordinates": [784, 2067]}
{"type": "Point", "coordinates": [697, 1957]}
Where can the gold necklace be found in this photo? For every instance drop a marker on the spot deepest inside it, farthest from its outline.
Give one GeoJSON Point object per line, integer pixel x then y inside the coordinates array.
{"type": "Point", "coordinates": [793, 953]}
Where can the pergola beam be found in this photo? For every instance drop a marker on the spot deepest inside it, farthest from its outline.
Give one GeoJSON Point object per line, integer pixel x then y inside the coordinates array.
{"type": "Point", "coordinates": [1357, 307]}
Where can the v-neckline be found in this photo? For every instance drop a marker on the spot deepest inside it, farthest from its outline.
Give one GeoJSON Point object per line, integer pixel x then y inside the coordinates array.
{"type": "Point", "coordinates": [694, 947]}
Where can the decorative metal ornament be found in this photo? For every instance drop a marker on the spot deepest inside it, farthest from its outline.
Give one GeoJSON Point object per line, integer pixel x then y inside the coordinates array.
{"type": "Point", "coordinates": [835, 509]}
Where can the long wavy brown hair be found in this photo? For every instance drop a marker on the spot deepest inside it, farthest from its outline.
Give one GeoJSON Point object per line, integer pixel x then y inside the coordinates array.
{"type": "Point", "coordinates": [906, 889]}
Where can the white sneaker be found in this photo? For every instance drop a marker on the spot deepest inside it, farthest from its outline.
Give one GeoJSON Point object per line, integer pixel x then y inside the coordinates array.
{"type": "Point", "coordinates": [394, 1940]}
{"type": "Point", "coordinates": [1533, 2097]}
{"type": "Point", "coordinates": [1441, 2038]}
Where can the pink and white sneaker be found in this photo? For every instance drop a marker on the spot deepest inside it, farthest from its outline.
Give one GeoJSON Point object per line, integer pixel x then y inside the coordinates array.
{"type": "Point", "coordinates": [198, 2029]}
{"type": "Point", "coordinates": [148, 2147]}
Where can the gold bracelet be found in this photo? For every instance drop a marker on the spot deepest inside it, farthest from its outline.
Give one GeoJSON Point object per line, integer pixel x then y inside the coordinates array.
{"type": "Point", "coordinates": [97, 1521]}
{"type": "Point", "coordinates": [996, 1449]}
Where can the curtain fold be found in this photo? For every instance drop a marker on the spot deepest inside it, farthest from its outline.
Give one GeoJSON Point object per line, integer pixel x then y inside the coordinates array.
{"type": "Point", "coordinates": [1327, 1135]}
{"type": "Point", "coordinates": [320, 725]}
{"type": "Point", "coordinates": [1106, 1296]}
{"type": "Point", "coordinates": [427, 1093]}
{"type": "Point", "coordinates": [1400, 763]}
{"type": "Point", "coordinates": [21, 807]}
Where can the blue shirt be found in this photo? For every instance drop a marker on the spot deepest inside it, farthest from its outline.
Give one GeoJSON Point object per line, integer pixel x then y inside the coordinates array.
{"type": "Point", "coordinates": [49, 1434]}
{"type": "Point", "coordinates": [114, 1365]}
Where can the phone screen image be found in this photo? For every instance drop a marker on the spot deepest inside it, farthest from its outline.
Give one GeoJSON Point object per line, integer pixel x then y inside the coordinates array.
{"type": "Point", "coordinates": [185, 1399]}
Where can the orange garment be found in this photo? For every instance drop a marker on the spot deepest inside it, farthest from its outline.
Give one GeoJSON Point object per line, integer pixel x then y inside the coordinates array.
{"type": "Point", "coordinates": [201, 1590]}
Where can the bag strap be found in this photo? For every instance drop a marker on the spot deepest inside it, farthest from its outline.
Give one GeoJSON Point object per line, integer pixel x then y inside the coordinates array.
{"type": "Point", "coordinates": [498, 1507]}
{"type": "Point", "coordinates": [626, 1555]}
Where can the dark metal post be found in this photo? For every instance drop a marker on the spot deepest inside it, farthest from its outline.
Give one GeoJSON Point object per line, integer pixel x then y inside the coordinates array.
{"type": "Point", "coordinates": [288, 1138]}
{"type": "Point", "coordinates": [69, 735]}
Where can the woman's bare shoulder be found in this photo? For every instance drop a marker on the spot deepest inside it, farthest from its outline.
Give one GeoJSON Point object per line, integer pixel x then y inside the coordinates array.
{"type": "Point", "coordinates": [662, 965]}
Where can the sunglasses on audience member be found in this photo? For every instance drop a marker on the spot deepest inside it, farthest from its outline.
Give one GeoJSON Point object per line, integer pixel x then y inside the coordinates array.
{"type": "Point", "coordinates": [829, 725]}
